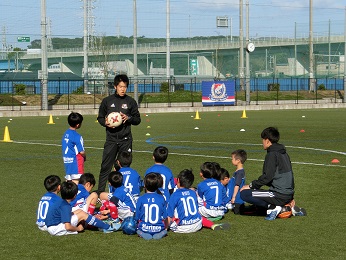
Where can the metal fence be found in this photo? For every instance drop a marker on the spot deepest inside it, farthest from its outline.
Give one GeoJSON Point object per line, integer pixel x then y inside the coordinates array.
{"type": "Point", "coordinates": [15, 94]}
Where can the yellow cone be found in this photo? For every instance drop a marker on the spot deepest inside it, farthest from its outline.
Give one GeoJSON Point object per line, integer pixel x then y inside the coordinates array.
{"type": "Point", "coordinates": [197, 115]}
{"type": "Point", "coordinates": [51, 122]}
{"type": "Point", "coordinates": [7, 135]}
{"type": "Point", "coordinates": [244, 114]}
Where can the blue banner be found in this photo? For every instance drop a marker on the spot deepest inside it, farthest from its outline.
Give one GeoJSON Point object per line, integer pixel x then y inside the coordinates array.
{"type": "Point", "coordinates": [218, 93]}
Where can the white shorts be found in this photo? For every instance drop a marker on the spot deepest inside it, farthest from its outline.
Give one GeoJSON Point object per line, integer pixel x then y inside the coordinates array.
{"type": "Point", "coordinates": [60, 230]}
{"type": "Point", "coordinates": [83, 207]}
{"type": "Point", "coordinates": [210, 213]}
{"type": "Point", "coordinates": [186, 228]}
{"type": "Point", "coordinates": [70, 177]}
{"type": "Point", "coordinates": [124, 213]}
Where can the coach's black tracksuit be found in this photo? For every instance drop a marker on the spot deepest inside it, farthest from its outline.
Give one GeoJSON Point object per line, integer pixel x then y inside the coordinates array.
{"type": "Point", "coordinates": [117, 139]}
{"type": "Point", "coordinates": [277, 175]}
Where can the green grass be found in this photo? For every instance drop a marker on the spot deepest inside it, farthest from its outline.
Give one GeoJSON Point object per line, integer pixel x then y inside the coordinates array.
{"type": "Point", "coordinates": [167, 97]}
{"type": "Point", "coordinates": [35, 153]}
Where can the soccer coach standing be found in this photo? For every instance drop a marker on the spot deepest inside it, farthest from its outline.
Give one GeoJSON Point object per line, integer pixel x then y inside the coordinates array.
{"type": "Point", "coordinates": [119, 138]}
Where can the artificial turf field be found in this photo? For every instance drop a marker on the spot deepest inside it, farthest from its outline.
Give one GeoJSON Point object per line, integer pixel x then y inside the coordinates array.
{"type": "Point", "coordinates": [320, 185]}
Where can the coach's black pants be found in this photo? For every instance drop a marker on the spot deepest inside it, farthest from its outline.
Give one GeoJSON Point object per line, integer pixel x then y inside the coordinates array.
{"type": "Point", "coordinates": [110, 153]}
{"type": "Point", "coordinates": [264, 198]}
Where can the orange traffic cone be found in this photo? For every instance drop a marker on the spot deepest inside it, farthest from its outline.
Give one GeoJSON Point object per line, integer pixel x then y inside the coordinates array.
{"type": "Point", "coordinates": [7, 135]}
{"type": "Point", "coordinates": [197, 115]}
{"type": "Point", "coordinates": [50, 122]}
{"type": "Point", "coordinates": [244, 114]}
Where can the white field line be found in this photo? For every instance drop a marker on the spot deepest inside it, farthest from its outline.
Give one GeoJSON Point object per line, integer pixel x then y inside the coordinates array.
{"type": "Point", "coordinates": [212, 156]}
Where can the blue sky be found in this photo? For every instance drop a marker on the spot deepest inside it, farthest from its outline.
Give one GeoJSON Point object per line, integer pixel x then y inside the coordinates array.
{"type": "Point", "coordinates": [189, 18]}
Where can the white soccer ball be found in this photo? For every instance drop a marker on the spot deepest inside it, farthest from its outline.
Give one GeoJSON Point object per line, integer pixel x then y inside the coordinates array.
{"type": "Point", "coordinates": [114, 119]}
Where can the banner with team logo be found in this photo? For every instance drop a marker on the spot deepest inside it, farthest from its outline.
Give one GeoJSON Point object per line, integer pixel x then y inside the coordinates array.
{"type": "Point", "coordinates": [218, 93]}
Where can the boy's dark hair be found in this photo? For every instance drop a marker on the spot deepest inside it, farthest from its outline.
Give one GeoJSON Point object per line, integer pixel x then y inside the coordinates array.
{"type": "Point", "coordinates": [74, 119]}
{"type": "Point", "coordinates": [186, 178]}
{"type": "Point", "coordinates": [68, 190]}
{"type": "Point", "coordinates": [115, 178]}
{"type": "Point", "coordinates": [152, 181]}
{"type": "Point", "coordinates": [87, 177]}
{"type": "Point", "coordinates": [52, 182]}
{"type": "Point", "coordinates": [216, 171]}
{"type": "Point", "coordinates": [160, 154]}
{"type": "Point", "coordinates": [121, 78]}
{"type": "Point", "coordinates": [240, 154]}
{"type": "Point", "coordinates": [224, 173]}
{"type": "Point", "coordinates": [207, 169]}
{"type": "Point", "coordinates": [125, 159]}
{"type": "Point", "coordinates": [272, 134]}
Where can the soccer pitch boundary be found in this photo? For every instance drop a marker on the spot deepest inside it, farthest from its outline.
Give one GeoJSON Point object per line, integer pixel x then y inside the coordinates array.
{"type": "Point", "coordinates": [212, 156]}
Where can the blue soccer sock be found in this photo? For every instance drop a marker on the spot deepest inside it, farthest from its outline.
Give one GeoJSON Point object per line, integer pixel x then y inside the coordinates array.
{"type": "Point", "coordinates": [92, 221]}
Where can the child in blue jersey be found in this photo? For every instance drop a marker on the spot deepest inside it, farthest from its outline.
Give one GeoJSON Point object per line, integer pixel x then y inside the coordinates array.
{"type": "Point", "coordinates": [212, 194]}
{"type": "Point", "coordinates": [52, 184]}
{"type": "Point", "coordinates": [237, 181]}
{"type": "Point", "coordinates": [160, 155]}
{"type": "Point", "coordinates": [151, 213]}
{"type": "Point", "coordinates": [84, 199]}
{"type": "Point", "coordinates": [182, 209]}
{"type": "Point", "coordinates": [61, 220]}
{"type": "Point", "coordinates": [73, 152]}
{"type": "Point", "coordinates": [131, 179]}
{"type": "Point", "coordinates": [121, 197]}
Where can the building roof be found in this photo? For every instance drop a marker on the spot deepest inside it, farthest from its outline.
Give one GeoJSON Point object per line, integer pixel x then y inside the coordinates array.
{"type": "Point", "coordinates": [34, 76]}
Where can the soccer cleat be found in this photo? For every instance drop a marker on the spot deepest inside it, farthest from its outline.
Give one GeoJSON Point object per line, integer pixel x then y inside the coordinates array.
{"type": "Point", "coordinates": [112, 227]}
{"type": "Point", "coordinates": [144, 235]}
{"type": "Point", "coordinates": [272, 214]}
{"type": "Point", "coordinates": [296, 211]}
{"type": "Point", "coordinates": [215, 219]}
{"type": "Point", "coordinates": [160, 234]}
{"type": "Point", "coordinates": [221, 226]}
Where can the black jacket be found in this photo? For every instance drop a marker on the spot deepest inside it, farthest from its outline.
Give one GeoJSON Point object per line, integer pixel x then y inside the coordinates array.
{"type": "Point", "coordinates": [126, 105]}
{"type": "Point", "coordinates": [277, 171]}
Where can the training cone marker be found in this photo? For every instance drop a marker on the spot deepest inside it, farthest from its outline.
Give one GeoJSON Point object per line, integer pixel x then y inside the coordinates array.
{"type": "Point", "coordinates": [196, 128]}
{"type": "Point", "coordinates": [242, 130]}
{"type": "Point", "coordinates": [303, 116]}
{"type": "Point", "coordinates": [244, 114]}
{"type": "Point", "coordinates": [335, 161]}
{"type": "Point", "coordinates": [148, 126]}
{"type": "Point", "coordinates": [302, 131]}
{"type": "Point", "coordinates": [197, 115]}
{"type": "Point", "coordinates": [7, 135]}
{"type": "Point", "coordinates": [147, 134]}
{"type": "Point", "coordinates": [50, 122]}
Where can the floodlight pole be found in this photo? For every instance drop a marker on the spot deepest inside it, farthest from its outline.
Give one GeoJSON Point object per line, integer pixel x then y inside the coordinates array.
{"type": "Point", "coordinates": [44, 59]}
{"type": "Point", "coordinates": [241, 46]}
{"type": "Point", "coordinates": [311, 47]}
{"type": "Point", "coordinates": [345, 58]}
{"type": "Point", "coordinates": [247, 56]}
{"type": "Point", "coordinates": [168, 38]}
{"type": "Point", "coordinates": [85, 45]}
{"type": "Point", "coordinates": [135, 64]}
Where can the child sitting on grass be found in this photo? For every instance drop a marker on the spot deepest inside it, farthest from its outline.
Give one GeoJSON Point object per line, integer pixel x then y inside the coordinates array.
{"type": "Point", "coordinates": [182, 209]}
{"type": "Point", "coordinates": [151, 212]}
{"type": "Point", "coordinates": [61, 220]}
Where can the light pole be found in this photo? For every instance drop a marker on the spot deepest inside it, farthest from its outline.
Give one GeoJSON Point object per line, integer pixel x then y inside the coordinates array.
{"type": "Point", "coordinates": [311, 47]}
{"type": "Point", "coordinates": [168, 38]}
{"type": "Point", "coordinates": [241, 46]}
{"type": "Point", "coordinates": [44, 59]}
{"type": "Point", "coordinates": [247, 57]}
{"type": "Point", "coordinates": [345, 58]}
{"type": "Point", "coordinates": [135, 65]}
{"type": "Point", "coordinates": [85, 46]}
